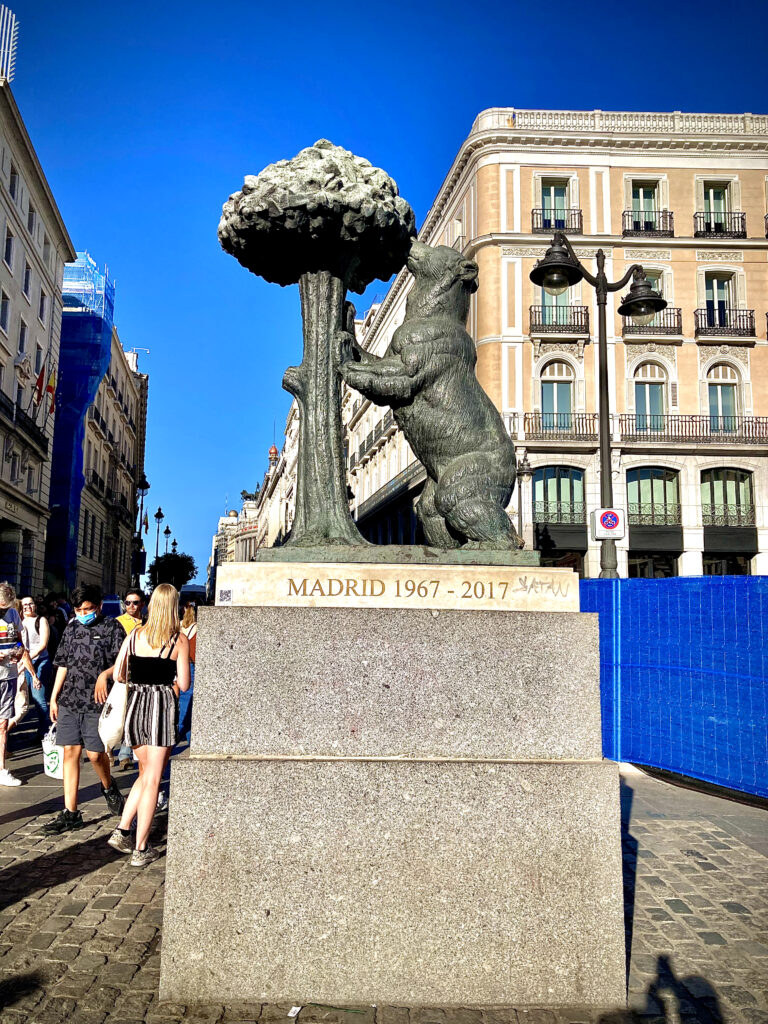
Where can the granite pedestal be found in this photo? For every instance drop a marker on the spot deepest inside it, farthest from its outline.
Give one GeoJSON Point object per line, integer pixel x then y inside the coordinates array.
{"type": "Point", "coordinates": [395, 805]}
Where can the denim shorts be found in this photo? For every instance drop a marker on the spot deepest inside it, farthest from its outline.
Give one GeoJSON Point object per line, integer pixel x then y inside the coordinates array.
{"type": "Point", "coordinates": [79, 729]}
{"type": "Point", "coordinates": [7, 698]}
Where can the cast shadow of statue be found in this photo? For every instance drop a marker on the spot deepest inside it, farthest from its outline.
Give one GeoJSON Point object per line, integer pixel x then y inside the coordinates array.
{"type": "Point", "coordinates": [672, 999]}
{"type": "Point", "coordinates": [628, 866]}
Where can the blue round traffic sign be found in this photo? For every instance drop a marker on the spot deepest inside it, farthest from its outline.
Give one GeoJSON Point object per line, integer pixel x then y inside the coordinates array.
{"type": "Point", "coordinates": [609, 520]}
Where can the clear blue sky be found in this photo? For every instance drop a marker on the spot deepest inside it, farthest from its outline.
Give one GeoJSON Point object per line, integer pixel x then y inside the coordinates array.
{"type": "Point", "coordinates": [147, 116]}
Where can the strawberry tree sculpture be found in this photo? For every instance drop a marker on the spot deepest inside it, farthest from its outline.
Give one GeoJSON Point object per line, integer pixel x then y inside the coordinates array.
{"type": "Point", "coordinates": [330, 221]}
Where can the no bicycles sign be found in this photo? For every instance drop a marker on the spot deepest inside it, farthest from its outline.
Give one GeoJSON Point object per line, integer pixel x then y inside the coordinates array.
{"type": "Point", "coordinates": [608, 524]}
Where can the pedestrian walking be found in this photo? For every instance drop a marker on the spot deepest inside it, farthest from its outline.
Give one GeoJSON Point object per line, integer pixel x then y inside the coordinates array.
{"type": "Point", "coordinates": [12, 654]}
{"type": "Point", "coordinates": [84, 662]}
{"type": "Point", "coordinates": [154, 660]}
{"type": "Point", "coordinates": [134, 616]}
{"type": "Point", "coordinates": [189, 628]}
{"type": "Point", "coordinates": [36, 634]}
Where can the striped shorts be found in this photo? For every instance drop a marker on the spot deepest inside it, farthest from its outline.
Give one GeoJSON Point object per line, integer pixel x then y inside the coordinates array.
{"type": "Point", "coordinates": [152, 716]}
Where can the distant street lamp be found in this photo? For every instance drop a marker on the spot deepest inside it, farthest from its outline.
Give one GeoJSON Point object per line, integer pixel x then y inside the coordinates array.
{"type": "Point", "coordinates": [166, 534]}
{"type": "Point", "coordinates": [159, 517]}
{"type": "Point", "coordinates": [524, 472]}
{"type": "Point", "coordinates": [174, 545]}
{"type": "Point", "coordinates": [556, 273]}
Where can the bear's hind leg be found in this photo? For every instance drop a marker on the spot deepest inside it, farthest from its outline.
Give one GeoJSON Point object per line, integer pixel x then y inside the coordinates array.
{"type": "Point", "coordinates": [436, 532]}
{"type": "Point", "coordinates": [472, 496]}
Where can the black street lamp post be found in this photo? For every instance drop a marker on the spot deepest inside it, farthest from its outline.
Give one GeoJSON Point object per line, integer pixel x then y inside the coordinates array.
{"type": "Point", "coordinates": [555, 273]}
{"type": "Point", "coordinates": [166, 533]}
{"type": "Point", "coordinates": [159, 517]}
{"type": "Point", "coordinates": [174, 545]}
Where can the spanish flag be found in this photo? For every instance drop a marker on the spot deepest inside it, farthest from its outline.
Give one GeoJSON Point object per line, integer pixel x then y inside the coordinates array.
{"type": "Point", "coordinates": [40, 386]}
{"type": "Point", "coordinates": [50, 389]}
{"type": "Point", "coordinates": [146, 523]}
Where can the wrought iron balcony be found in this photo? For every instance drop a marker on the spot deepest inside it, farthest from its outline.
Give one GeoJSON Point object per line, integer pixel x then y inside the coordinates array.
{"type": "Point", "coordinates": [546, 221]}
{"type": "Point", "coordinates": [30, 429]}
{"type": "Point", "coordinates": [766, 225]}
{"type": "Point", "coordinates": [667, 322]}
{"type": "Point", "coordinates": [93, 479]}
{"type": "Point", "coordinates": [728, 515]}
{"type": "Point", "coordinates": [559, 320]}
{"type": "Point", "coordinates": [574, 512]}
{"type": "Point", "coordinates": [648, 223]}
{"type": "Point", "coordinates": [352, 461]}
{"type": "Point", "coordinates": [719, 225]}
{"type": "Point", "coordinates": [663, 428]}
{"type": "Point", "coordinates": [650, 514]}
{"type": "Point", "coordinates": [716, 322]}
{"type": "Point", "coordinates": [389, 419]}
{"type": "Point", "coordinates": [558, 426]}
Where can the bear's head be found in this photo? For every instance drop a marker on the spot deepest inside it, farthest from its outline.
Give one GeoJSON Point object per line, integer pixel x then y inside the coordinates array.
{"type": "Point", "coordinates": [443, 282]}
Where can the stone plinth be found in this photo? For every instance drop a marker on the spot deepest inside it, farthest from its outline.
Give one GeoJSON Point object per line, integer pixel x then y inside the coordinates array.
{"type": "Point", "coordinates": [399, 882]}
{"type": "Point", "coordinates": [395, 805]}
{"type": "Point", "coordinates": [339, 682]}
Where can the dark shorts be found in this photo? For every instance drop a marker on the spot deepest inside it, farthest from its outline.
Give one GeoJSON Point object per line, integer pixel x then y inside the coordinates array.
{"type": "Point", "coordinates": [79, 729]}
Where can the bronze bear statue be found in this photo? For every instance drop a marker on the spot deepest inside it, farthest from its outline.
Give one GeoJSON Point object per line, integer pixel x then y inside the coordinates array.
{"type": "Point", "coordinates": [427, 376]}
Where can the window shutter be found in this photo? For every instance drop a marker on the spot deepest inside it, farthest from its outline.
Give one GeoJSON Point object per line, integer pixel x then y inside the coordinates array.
{"type": "Point", "coordinates": [673, 394]}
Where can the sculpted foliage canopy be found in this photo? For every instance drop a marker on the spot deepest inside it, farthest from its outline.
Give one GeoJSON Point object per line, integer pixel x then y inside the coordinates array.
{"type": "Point", "coordinates": [326, 209]}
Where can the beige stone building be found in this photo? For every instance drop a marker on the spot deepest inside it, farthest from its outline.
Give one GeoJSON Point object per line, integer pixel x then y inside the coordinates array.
{"type": "Point", "coordinates": [35, 247]}
{"type": "Point", "coordinates": [113, 463]}
{"type": "Point", "coordinates": [685, 195]}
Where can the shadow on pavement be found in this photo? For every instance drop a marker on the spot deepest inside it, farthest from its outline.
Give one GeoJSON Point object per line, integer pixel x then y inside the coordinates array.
{"type": "Point", "coordinates": [628, 867]}
{"type": "Point", "coordinates": [672, 999]}
{"type": "Point", "coordinates": [50, 869]}
{"type": "Point", "coordinates": [13, 989]}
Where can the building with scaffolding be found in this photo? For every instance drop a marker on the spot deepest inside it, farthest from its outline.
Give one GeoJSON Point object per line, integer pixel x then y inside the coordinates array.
{"type": "Point", "coordinates": [36, 246]}
{"type": "Point", "coordinates": [98, 454]}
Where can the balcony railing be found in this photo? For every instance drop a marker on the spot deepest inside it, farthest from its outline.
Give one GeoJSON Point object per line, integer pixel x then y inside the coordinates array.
{"type": "Point", "coordinates": [728, 515]}
{"type": "Point", "coordinates": [559, 512]}
{"type": "Point", "coordinates": [717, 321]}
{"type": "Point", "coordinates": [668, 321]}
{"type": "Point", "coordinates": [573, 426]}
{"type": "Point", "coordinates": [719, 225]}
{"type": "Point", "coordinates": [352, 461]}
{"type": "Point", "coordinates": [559, 320]}
{"type": "Point", "coordinates": [389, 419]}
{"type": "Point", "coordinates": [570, 221]}
{"type": "Point", "coordinates": [27, 426]}
{"type": "Point", "coordinates": [650, 514]}
{"type": "Point", "coordinates": [94, 480]}
{"type": "Point", "coordinates": [649, 223]}
{"type": "Point", "coordinates": [766, 225]}
{"type": "Point", "coordinates": [694, 429]}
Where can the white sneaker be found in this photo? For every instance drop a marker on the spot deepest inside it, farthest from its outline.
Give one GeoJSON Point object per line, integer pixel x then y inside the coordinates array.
{"type": "Point", "coordinates": [162, 801]}
{"type": "Point", "coordinates": [6, 779]}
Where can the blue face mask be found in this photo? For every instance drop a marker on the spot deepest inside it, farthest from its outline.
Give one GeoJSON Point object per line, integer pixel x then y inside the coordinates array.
{"type": "Point", "coordinates": [86, 619]}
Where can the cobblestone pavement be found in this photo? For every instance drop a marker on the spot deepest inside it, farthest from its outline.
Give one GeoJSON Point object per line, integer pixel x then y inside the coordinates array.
{"type": "Point", "coordinates": [80, 930]}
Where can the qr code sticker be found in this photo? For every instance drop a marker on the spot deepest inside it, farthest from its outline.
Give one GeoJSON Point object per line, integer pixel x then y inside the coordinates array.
{"type": "Point", "coordinates": [225, 597]}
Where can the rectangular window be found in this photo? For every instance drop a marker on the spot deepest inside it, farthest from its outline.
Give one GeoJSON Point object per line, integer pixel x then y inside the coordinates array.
{"type": "Point", "coordinates": [645, 205]}
{"type": "Point", "coordinates": [8, 251]}
{"type": "Point", "coordinates": [23, 338]}
{"type": "Point", "coordinates": [31, 219]}
{"type": "Point", "coordinates": [26, 284]}
{"type": "Point", "coordinates": [38, 358]}
{"type": "Point", "coordinates": [30, 481]}
{"type": "Point", "coordinates": [101, 540]}
{"type": "Point", "coordinates": [20, 395]}
{"type": "Point", "coordinates": [13, 186]}
{"type": "Point", "coordinates": [719, 299]}
{"type": "Point", "coordinates": [42, 309]}
{"type": "Point", "coordinates": [92, 536]}
{"type": "Point", "coordinates": [14, 467]}
{"type": "Point", "coordinates": [5, 311]}
{"type": "Point", "coordinates": [715, 206]}
{"type": "Point", "coordinates": [46, 250]}
{"type": "Point", "coordinates": [84, 546]}
{"type": "Point", "coordinates": [554, 203]}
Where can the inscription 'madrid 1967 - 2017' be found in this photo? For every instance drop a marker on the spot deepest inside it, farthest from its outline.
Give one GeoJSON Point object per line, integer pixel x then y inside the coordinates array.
{"type": "Point", "coordinates": [364, 585]}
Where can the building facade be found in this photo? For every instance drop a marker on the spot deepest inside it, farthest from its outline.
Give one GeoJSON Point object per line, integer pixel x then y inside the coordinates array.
{"type": "Point", "coordinates": [99, 444]}
{"type": "Point", "coordinates": [35, 247]}
{"type": "Point", "coordinates": [222, 549]}
{"type": "Point", "coordinates": [686, 196]}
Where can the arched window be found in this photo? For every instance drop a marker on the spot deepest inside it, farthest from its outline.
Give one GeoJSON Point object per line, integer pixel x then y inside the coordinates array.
{"type": "Point", "coordinates": [556, 396]}
{"type": "Point", "coordinates": [726, 497]}
{"type": "Point", "coordinates": [653, 496]}
{"type": "Point", "coordinates": [558, 495]}
{"type": "Point", "coordinates": [722, 388]}
{"type": "Point", "coordinates": [650, 397]}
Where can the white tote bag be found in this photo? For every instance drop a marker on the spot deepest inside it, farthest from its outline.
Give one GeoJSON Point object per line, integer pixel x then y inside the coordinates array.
{"type": "Point", "coordinates": [112, 718]}
{"type": "Point", "coordinates": [53, 755]}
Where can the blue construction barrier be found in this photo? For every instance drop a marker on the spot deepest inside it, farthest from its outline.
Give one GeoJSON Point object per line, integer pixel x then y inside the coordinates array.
{"type": "Point", "coordinates": [684, 675]}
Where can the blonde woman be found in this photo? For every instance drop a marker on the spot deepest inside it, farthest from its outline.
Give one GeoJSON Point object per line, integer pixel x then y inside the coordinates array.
{"type": "Point", "coordinates": [154, 660]}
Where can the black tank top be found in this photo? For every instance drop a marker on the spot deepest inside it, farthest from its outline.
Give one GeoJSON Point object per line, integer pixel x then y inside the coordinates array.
{"type": "Point", "coordinates": [152, 670]}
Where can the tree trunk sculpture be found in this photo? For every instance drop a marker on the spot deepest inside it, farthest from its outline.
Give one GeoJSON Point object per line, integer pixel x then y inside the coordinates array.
{"type": "Point", "coordinates": [331, 221]}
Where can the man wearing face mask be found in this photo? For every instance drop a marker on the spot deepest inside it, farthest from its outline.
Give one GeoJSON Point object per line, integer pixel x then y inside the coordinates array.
{"type": "Point", "coordinates": [88, 648]}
